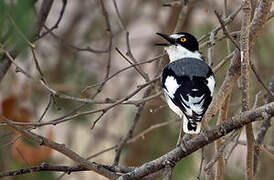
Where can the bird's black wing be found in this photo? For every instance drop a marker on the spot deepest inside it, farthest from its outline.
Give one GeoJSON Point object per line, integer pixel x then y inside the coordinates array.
{"type": "Point", "coordinates": [194, 89]}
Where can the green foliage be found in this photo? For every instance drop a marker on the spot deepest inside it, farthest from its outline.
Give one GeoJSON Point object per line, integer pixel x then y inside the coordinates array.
{"type": "Point", "coordinates": [16, 21]}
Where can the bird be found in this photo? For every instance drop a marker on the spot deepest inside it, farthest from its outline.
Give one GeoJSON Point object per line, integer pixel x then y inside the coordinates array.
{"type": "Point", "coordinates": [187, 81]}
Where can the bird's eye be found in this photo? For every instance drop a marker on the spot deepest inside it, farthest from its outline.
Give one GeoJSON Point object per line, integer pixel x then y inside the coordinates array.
{"type": "Point", "coordinates": [183, 39]}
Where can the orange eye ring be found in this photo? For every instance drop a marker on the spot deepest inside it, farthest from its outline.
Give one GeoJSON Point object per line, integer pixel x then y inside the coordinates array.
{"type": "Point", "coordinates": [183, 39]}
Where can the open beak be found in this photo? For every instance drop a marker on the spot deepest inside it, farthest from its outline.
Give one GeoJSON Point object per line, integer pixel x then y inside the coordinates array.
{"type": "Point", "coordinates": [166, 37]}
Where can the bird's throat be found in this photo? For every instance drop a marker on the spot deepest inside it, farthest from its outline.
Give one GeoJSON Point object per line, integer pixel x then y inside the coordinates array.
{"type": "Point", "coordinates": [179, 52]}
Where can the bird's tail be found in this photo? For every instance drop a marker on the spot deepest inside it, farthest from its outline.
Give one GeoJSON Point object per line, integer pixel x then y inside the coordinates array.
{"type": "Point", "coordinates": [191, 127]}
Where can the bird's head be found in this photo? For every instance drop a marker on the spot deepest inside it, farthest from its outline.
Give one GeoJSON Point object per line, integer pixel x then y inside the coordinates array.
{"type": "Point", "coordinates": [180, 45]}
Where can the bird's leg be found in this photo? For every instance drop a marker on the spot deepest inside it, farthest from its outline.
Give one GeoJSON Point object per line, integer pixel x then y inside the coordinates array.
{"type": "Point", "coordinates": [180, 134]}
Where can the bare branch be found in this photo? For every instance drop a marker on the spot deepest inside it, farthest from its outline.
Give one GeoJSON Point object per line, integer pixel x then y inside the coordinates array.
{"type": "Point", "coordinates": [264, 127]}
{"type": "Point", "coordinates": [260, 80]}
{"type": "Point", "coordinates": [141, 72]}
{"type": "Point", "coordinates": [46, 109]}
{"type": "Point", "coordinates": [220, 163]}
{"type": "Point", "coordinates": [225, 31]}
{"type": "Point", "coordinates": [60, 148]}
{"type": "Point", "coordinates": [229, 19]}
{"type": "Point", "coordinates": [222, 62]}
{"type": "Point", "coordinates": [233, 73]}
{"type": "Point", "coordinates": [201, 140]}
{"type": "Point", "coordinates": [231, 77]}
{"type": "Point", "coordinates": [245, 66]}
{"type": "Point", "coordinates": [129, 134]}
{"type": "Point", "coordinates": [58, 20]}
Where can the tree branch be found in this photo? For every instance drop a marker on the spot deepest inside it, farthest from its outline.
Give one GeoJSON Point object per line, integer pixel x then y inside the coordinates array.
{"type": "Point", "coordinates": [60, 148]}
{"type": "Point", "coordinates": [245, 66]}
{"type": "Point", "coordinates": [201, 140]}
{"type": "Point", "coordinates": [233, 73]}
{"type": "Point", "coordinates": [43, 167]}
{"type": "Point", "coordinates": [264, 127]}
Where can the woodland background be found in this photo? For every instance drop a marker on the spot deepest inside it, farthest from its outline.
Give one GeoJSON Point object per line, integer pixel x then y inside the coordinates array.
{"type": "Point", "coordinates": [85, 76]}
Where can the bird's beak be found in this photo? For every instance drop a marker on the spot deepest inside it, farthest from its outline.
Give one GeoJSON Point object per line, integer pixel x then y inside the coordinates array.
{"type": "Point", "coordinates": [166, 37]}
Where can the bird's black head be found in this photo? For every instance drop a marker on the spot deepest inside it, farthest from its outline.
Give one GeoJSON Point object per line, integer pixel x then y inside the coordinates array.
{"type": "Point", "coordinates": [184, 39]}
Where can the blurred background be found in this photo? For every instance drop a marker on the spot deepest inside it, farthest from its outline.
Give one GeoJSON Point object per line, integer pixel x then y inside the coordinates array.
{"type": "Point", "coordinates": [69, 66]}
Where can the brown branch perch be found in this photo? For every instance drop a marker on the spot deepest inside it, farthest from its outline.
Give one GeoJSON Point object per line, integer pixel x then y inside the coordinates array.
{"type": "Point", "coordinates": [201, 140]}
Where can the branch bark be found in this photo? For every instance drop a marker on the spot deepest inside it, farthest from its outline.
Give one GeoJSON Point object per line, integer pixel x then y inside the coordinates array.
{"type": "Point", "coordinates": [260, 18]}
{"type": "Point", "coordinates": [264, 127]}
{"type": "Point", "coordinates": [245, 67]}
{"type": "Point", "coordinates": [218, 143]}
{"type": "Point", "coordinates": [201, 140]}
{"type": "Point", "coordinates": [60, 148]}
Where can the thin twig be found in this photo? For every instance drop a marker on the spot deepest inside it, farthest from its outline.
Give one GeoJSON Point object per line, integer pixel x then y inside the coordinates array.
{"type": "Point", "coordinates": [266, 124]}
{"type": "Point", "coordinates": [66, 118]}
{"type": "Point", "coordinates": [225, 31]}
{"type": "Point", "coordinates": [76, 114]}
{"type": "Point", "coordinates": [58, 20]}
{"type": "Point", "coordinates": [141, 135]}
{"type": "Point", "coordinates": [119, 15]}
{"type": "Point", "coordinates": [222, 62]}
{"type": "Point", "coordinates": [36, 63]}
{"type": "Point", "coordinates": [141, 72]}
{"type": "Point", "coordinates": [109, 30]}
{"type": "Point", "coordinates": [46, 109]}
{"type": "Point", "coordinates": [260, 80]}
{"type": "Point", "coordinates": [234, 34]}
{"type": "Point", "coordinates": [97, 119]}
{"type": "Point", "coordinates": [235, 144]}
{"type": "Point", "coordinates": [267, 152]}
{"type": "Point", "coordinates": [220, 151]}
{"type": "Point", "coordinates": [60, 148]}
{"type": "Point", "coordinates": [201, 164]}
{"type": "Point", "coordinates": [130, 131]}
{"type": "Point", "coordinates": [129, 52]}
{"type": "Point", "coordinates": [227, 20]}
{"type": "Point", "coordinates": [124, 69]}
